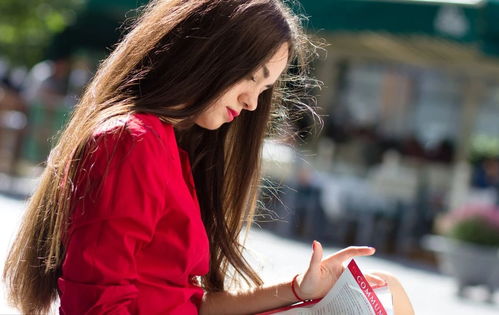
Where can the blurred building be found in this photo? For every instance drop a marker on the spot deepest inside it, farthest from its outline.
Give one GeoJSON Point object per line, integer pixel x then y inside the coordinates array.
{"type": "Point", "coordinates": [411, 98]}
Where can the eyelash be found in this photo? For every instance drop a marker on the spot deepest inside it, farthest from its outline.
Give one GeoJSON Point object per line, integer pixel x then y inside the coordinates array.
{"type": "Point", "coordinates": [252, 78]}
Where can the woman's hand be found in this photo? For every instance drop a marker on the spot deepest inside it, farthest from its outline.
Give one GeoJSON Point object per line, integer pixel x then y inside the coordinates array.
{"type": "Point", "coordinates": [401, 303]}
{"type": "Point", "coordinates": [322, 274]}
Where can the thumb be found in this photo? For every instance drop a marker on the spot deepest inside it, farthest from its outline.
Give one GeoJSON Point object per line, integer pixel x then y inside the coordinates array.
{"type": "Point", "coordinates": [312, 275]}
{"type": "Point", "coordinates": [316, 259]}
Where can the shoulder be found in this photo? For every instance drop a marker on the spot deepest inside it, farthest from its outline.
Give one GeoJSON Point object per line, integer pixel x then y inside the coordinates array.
{"type": "Point", "coordinates": [135, 136]}
{"type": "Point", "coordinates": [137, 127]}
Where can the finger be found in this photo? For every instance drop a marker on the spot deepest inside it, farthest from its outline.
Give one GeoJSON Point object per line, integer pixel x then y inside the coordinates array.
{"type": "Point", "coordinates": [353, 251]}
{"type": "Point", "coordinates": [401, 301]}
{"type": "Point", "coordinates": [387, 277]}
{"type": "Point", "coordinates": [374, 280]}
{"type": "Point", "coordinates": [317, 253]}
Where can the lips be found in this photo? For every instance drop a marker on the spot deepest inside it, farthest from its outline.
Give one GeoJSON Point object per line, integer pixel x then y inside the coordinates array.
{"type": "Point", "coordinates": [232, 113]}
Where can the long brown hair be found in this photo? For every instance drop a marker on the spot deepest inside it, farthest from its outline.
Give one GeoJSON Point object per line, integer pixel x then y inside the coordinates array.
{"type": "Point", "coordinates": [178, 58]}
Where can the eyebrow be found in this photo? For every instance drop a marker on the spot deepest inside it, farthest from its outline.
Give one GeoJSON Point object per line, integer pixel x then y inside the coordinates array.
{"type": "Point", "coordinates": [266, 71]}
{"type": "Point", "coordinates": [266, 74]}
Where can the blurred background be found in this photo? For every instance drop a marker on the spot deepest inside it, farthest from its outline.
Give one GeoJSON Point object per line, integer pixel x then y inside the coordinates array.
{"type": "Point", "coordinates": [407, 160]}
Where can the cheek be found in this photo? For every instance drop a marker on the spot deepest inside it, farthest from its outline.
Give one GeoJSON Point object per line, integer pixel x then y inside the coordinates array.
{"type": "Point", "coordinates": [211, 118]}
{"type": "Point", "coordinates": [207, 114]}
{"type": "Point", "coordinates": [216, 109]}
{"type": "Point", "coordinates": [230, 97]}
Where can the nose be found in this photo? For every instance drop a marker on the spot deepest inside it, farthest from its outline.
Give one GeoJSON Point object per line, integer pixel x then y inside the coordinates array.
{"type": "Point", "coordinates": [249, 100]}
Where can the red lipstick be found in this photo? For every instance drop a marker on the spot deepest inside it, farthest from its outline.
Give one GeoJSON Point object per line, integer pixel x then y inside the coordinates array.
{"type": "Point", "coordinates": [232, 113]}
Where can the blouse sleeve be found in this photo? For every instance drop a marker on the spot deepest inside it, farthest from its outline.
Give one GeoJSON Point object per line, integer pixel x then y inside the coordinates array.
{"type": "Point", "coordinates": [118, 200]}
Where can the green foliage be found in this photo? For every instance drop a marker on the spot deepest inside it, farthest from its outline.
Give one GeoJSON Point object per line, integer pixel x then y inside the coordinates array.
{"type": "Point", "coordinates": [26, 26]}
{"type": "Point", "coordinates": [483, 146]}
{"type": "Point", "coordinates": [476, 229]}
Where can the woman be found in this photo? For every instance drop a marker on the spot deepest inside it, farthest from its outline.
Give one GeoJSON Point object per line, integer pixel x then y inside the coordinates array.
{"type": "Point", "coordinates": [143, 199]}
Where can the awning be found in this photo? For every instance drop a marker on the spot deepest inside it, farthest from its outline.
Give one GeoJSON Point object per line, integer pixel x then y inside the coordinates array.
{"type": "Point", "coordinates": [96, 28]}
{"type": "Point", "coordinates": [471, 22]}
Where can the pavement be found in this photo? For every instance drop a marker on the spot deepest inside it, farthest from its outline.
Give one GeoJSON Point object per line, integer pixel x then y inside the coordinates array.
{"type": "Point", "coordinates": [278, 259]}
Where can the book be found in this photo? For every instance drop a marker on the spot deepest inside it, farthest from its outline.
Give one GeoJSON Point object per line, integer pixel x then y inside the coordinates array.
{"type": "Point", "coordinates": [351, 295]}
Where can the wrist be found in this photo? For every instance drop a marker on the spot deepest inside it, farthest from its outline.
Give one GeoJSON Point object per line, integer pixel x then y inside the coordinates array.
{"type": "Point", "coordinates": [295, 289]}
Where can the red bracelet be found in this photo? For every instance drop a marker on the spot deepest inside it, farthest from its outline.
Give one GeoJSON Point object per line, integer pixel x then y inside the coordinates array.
{"type": "Point", "coordinates": [294, 291]}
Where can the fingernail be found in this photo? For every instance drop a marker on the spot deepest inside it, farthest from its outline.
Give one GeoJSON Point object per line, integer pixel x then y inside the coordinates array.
{"type": "Point", "coordinates": [313, 245]}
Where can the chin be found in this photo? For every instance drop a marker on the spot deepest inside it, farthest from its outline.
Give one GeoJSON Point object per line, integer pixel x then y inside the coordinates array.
{"type": "Point", "coordinates": [208, 125]}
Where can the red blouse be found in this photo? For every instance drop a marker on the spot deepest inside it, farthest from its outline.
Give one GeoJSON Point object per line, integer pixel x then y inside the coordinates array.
{"type": "Point", "coordinates": [136, 240]}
